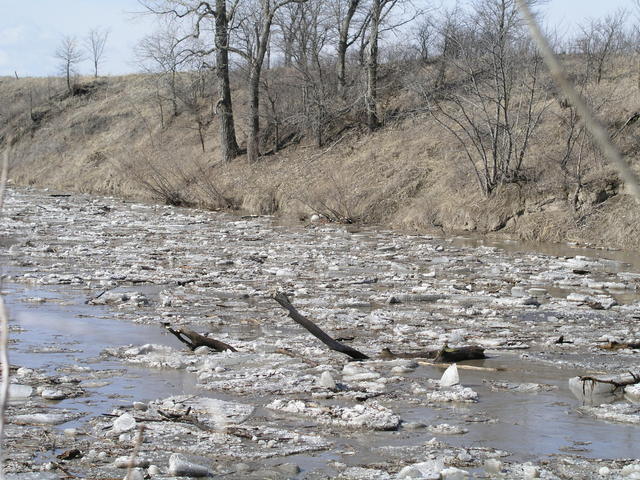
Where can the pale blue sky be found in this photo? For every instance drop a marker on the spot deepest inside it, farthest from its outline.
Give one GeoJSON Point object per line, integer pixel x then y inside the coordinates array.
{"type": "Point", "coordinates": [30, 30]}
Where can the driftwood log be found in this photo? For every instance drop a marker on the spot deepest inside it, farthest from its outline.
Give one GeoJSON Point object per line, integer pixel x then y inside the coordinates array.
{"type": "Point", "coordinates": [471, 352]}
{"type": "Point", "coordinates": [316, 331]}
{"type": "Point", "coordinates": [444, 355]}
{"type": "Point", "coordinates": [194, 340]}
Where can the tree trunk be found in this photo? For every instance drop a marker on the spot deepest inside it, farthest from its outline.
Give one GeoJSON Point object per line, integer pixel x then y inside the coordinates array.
{"type": "Point", "coordinates": [373, 121]}
{"type": "Point", "coordinates": [342, 62]}
{"type": "Point", "coordinates": [288, 52]}
{"type": "Point", "coordinates": [201, 134]}
{"type": "Point", "coordinates": [174, 93]}
{"type": "Point", "coordinates": [442, 64]}
{"type": "Point", "coordinates": [253, 147]}
{"type": "Point", "coordinates": [68, 70]}
{"type": "Point", "coordinates": [343, 44]}
{"type": "Point", "coordinates": [228, 144]}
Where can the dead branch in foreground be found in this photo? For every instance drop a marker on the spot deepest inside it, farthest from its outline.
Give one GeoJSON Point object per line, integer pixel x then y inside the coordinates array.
{"type": "Point", "coordinates": [316, 331]}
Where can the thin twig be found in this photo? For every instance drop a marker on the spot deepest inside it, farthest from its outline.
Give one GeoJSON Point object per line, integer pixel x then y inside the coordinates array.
{"type": "Point", "coordinates": [136, 448]}
{"type": "Point", "coordinates": [595, 128]}
{"type": "Point", "coordinates": [4, 333]}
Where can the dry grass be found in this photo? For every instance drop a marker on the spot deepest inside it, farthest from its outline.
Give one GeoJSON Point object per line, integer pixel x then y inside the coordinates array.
{"type": "Point", "coordinates": [408, 174]}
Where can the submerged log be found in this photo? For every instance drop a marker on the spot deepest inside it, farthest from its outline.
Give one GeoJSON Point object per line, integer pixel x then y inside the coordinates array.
{"type": "Point", "coordinates": [444, 355]}
{"type": "Point", "coordinates": [194, 340]}
{"type": "Point", "coordinates": [316, 331]}
{"type": "Point", "coordinates": [471, 352]}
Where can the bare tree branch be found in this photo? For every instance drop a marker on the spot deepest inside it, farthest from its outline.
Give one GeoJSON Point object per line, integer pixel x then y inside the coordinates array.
{"type": "Point", "coordinates": [600, 135]}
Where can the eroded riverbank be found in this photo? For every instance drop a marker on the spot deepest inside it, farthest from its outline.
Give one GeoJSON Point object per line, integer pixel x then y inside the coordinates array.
{"type": "Point", "coordinates": [140, 266]}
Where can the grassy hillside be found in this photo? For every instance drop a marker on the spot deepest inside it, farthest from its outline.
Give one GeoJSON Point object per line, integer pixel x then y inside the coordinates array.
{"type": "Point", "coordinates": [109, 137]}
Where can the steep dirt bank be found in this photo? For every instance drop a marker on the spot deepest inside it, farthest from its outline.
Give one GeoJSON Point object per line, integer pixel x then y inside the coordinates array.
{"type": "Point", "coordinates": [109, 139]}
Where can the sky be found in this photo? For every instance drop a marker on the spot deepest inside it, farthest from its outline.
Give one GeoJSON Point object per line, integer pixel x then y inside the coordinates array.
{"type": "Point", "coordinates": [30, 30]}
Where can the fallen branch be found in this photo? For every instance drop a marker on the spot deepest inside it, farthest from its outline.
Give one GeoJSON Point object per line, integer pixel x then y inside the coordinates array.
{"type": "Point", "coordinates": [630, 378]}
{"type": "Point", "coordinates": [67, 473]}
{"type": "Point", "coordinates": [289, 353]}
{"type": "Point", "coordinates": [169, 417]}
{"type": "Point", "coordinates": [316, 331]}
{"type": "Point", "coordinates": [185, 418]}
{"type": "Point", "coordinates": [562, 341]}
{"type": "Point", "coordinates": [90, 301]}
{"type": "Point", "coordinates": [194, 340]}
{"type": "Point", "coordinates": [632, 119]}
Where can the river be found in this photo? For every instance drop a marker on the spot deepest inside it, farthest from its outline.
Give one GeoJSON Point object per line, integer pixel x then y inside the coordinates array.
{"type": "Point", "coordinates": [90, 282]}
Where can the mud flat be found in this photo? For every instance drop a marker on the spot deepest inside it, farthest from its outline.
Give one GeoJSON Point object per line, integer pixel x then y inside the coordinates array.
{"type": "Point", "coordinates": [91, 283]}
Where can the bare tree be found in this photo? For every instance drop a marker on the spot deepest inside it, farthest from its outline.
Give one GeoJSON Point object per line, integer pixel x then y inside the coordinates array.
{"type": "Point", "coordinates": [161, 53]}
{"type": "Point", "coordinates": [95, 43]}
{"type": "Point", "coordinates": [454, 37]}
{"type": "Point", "coordinates": [371, 96]}
{"type": "Point", "coordinates": [69, 54]}
{"type": "Point", "coordinates": [200, 13]}
{"type": "Point", "coordinates": [193, 92]}
{"type": "Point", "coordinates": [228, 142]}
{"type": "Point", "coordinates": [313, 36]}
{"type": "Point", "coordinates": [379, 11]}
{"type": "Point", "coordinates": [425, 36]}
{"type": "Point", "coordinates": [288, 22]}
{"type": "Point", "coordinates": [255, 26]}
{"type": "Point", "coordinates": [635, 41]}
{"type": "Point", "coordinates": [344, 13]}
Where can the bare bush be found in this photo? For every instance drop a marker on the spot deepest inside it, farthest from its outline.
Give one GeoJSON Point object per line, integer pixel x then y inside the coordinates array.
{"type": "Point", "coordinates": [599, 41]}
{"type": "Point", "coordinates": [494, 114]}
{"type": "Point", "coordinates": [194, 93]}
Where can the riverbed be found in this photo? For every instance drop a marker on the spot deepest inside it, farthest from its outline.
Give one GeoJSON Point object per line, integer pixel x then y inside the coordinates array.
{"type": "Point", "coordinates": [91, 283]}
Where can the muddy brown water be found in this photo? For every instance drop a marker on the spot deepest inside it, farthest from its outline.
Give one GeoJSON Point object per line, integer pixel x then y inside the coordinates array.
{"type": "Point", "coordinates": [621, 260]}
{"type": "Point", "coordinates": [63, 333]}
{"type": "Point", "coordinates": [529, 425]}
